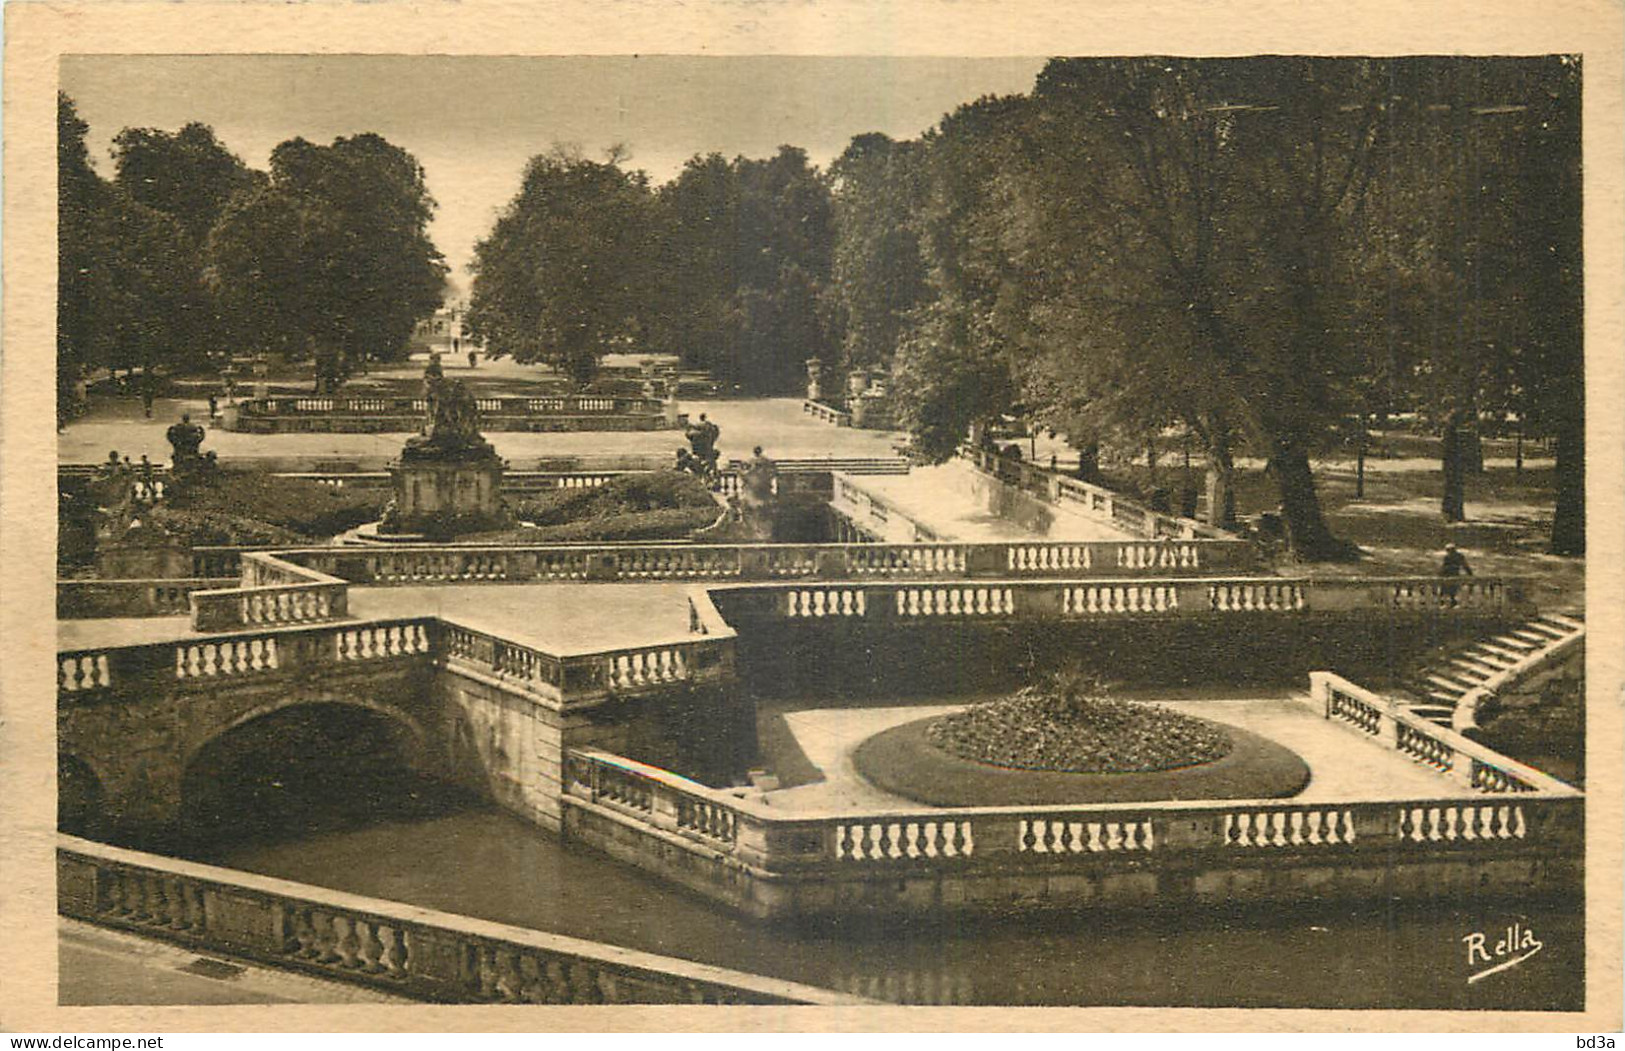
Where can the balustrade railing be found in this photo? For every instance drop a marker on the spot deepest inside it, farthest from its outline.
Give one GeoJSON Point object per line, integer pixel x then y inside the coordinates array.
{"type": "Point", "coordinates": [1463, 760]}
{"type": "Point", "coordinates": [1096, 501]}
{"type": "Point", "coordinates": [396, 948]}
{"type": "Point", "coordinates": [904, 598]}
{"type": "Point", "coordinates": [272, 592]}
{"type": "Point", "coordinates": [556, 405]}
{"type": "Point", "coordinates": [85, 673]}
{"type": "Point", "coordinates": [423, 564]}
{"type": "Point", "coordinates": [773, 841]}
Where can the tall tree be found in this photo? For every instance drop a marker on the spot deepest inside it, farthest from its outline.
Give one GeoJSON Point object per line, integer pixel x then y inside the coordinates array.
{"type": "Point", "coordinates": [782, 250]}
{"type": "Point", "coordinates": [332, 257]}
{"type": "Point", "coordinates": [1199, 212]}
{"type": "Point", "coordinates": [189, 174]}
{"type": "Point", "coordinates": [559, 278]}
{"type": "Point", "coordinates": [692, 308]}
{"type": "Point", "coordinates": [81, 195]}
{"type": "Point", "coordinates": [878, 273]}
{"type": "Point", "coordinates": [954, 365]}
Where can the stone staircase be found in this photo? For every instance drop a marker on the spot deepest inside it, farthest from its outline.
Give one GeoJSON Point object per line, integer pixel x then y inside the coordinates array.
{"type": "Point", "coordinates": [1442, 684]}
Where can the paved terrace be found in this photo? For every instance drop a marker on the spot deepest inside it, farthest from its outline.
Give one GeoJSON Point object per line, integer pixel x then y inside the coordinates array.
{"type": "Point", "coordinates": [1343, 767]}
{"type": "Point", "coordinates": [562, 619]}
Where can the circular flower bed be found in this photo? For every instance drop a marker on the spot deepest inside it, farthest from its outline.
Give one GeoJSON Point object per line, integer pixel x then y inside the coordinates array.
{"type": "Point", "coordinates": [1062, 728]}
{"type": "Point", "coordinates": [1064, 744]}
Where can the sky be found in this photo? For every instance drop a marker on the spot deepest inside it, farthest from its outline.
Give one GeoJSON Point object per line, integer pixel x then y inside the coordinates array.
{"type": "Point", "coordinates": [472, 122]}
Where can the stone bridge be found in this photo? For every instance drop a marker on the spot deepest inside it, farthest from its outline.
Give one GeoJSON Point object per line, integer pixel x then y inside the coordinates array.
{"type": "Point", "coordinates": [143, 730]}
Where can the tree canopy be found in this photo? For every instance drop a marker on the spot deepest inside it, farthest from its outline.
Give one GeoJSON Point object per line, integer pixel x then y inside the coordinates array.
{"type": "Point", "coordinates": [559, 278]}
{"type": "Point", "coordinates": [331, 256]}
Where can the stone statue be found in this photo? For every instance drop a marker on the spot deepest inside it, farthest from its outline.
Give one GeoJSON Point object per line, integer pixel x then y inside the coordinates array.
{"type": "Point", "coordinates": [758, 478]}
{"type": "Point", "coordinates": [187, 463]}
{"type": "Point", "coordinates": [453, 427]}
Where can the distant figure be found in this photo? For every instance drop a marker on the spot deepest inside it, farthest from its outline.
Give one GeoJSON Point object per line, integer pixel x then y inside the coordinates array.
{"type": "Point", "coordinates": [147, 396]}
{"type": "Point", "coordinates": [473, 359]}
{"type": "Point", "coordinates": [1455, 565]}
{"type": "Point", "coordinates": [231, 391]}
{"type": "Point", "coordinates": [214, 406]}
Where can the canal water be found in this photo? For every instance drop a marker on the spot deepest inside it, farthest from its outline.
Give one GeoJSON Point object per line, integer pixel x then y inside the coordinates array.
{"type": "Point", "coordinates": [460, 855]}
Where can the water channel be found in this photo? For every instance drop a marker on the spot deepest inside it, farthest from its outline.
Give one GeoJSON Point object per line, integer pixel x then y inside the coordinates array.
{"type": "Point", "coordinates": [450, 852]}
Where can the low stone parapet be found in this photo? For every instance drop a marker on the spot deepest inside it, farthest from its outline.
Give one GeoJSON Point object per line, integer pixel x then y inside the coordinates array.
{"type": "Point", "coordinates": [272, 592]}
{"type": "Point", "coordinates": [1102, 504]}
{"type": "Point", "coordinates": [403, 949]}
{"type": "Point", "coordinates": [1459, 758]}
{"type": "Point", "coordinates": [466, 563]}
{"type": "Point", "coordinates": [1175, 855]}
{"type": "Point", "coordinates": [379, 415]}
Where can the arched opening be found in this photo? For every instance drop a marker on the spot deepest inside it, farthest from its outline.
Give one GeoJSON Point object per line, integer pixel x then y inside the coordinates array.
{"type": "Point", "coordinates": [80, 809]}
{"type": "Point", "coordinates": [302, 769]}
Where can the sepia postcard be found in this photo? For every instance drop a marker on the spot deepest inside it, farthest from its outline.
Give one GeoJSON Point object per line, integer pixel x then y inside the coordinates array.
{"type": "Point", "coordinates": [736, 516]}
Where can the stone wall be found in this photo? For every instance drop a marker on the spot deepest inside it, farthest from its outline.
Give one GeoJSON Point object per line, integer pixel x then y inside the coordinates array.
{"type": "Point", "coordinates": [508, 747]}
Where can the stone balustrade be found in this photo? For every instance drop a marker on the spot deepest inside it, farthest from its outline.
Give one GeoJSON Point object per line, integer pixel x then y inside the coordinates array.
{"type": "Point", "coordinates": [827, 413]}
{"type": "Point", "coordinates": [80, 599]}
{"type": "Point", "coordinates": [84, 674]}
{"type": "Point", "coordinates": [426, 564]}
{"type": "Point", "coordinates": [402, 949]}
{"type": "Point", "coordinates": [364, 414]}
{"type": "Point", "coordinates": [1142, 853]}
{"type": "Point", "coordinates": [272, 592]}
{"type": "Point", "coordinates": [1039, 599]}
{"type": "Point", "coordinates": [1459, 758]}
{"type": "Point", "coordinates": [1098, 502]}
{"type": "Point", "coordinates": [584, 679]}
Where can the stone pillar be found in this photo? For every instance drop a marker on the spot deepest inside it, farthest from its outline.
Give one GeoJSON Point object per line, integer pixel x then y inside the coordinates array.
{"type": "Point", "coordinates": [815, 374]}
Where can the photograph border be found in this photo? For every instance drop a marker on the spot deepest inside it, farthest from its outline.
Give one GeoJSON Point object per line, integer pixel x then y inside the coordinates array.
{"type": "Point", "coordinates": [37, 34]}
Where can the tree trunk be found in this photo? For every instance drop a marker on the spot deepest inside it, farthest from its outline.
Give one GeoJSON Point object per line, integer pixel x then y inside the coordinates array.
{"type": "Point", "coordinates": [1453, 460]}
{"type": "Point", "coordinates": [1569, 517]}
{"type": "Point", "coordinates": [1307, 533]}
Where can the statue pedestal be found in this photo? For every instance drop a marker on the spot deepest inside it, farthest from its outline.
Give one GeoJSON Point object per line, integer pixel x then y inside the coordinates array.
{"type": "Point", "coordinates": [447, 496]}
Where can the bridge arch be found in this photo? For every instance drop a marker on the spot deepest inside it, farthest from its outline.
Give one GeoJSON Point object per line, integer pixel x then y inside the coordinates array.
{"type": "Point", "coordinates": [299, 762]}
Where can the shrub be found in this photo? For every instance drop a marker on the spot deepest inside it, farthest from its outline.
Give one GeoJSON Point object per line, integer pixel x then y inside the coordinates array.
{"type": "Point", "coordinates": [205, 528]}
{"type": "Point", "coordinates": [292, 504]}
{"type": "Point", "coordinates": [668, 523]}
{"type": "Point", "coordinates": [625, 494]}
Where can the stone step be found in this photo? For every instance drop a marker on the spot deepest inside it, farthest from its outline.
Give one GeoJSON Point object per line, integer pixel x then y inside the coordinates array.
{"type": "Point", "coordinates": [1490, 656]}
{"type": "Point", "coordinates": [1540, 627]}
{"type": "Point", "coordinates": [1523, 647]}
{"type": "Point", "coordinates": [1448, 685]}
{"type": "Point", "coordinates": [1501, 653]}
{"type": "Point", "coordinates": [1472, 668]}
{"type": "Point", "coordinates": [1568, 621]}
{"type": "Point", "coordinates": [1444, 700]}
{"type": "Point", "coordinates": [1536, 640]}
